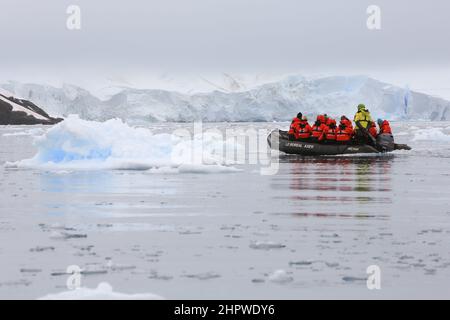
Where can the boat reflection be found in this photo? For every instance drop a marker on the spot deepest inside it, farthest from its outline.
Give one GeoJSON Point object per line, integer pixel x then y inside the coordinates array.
{"type": "Point", "coordinates": [335, 186]}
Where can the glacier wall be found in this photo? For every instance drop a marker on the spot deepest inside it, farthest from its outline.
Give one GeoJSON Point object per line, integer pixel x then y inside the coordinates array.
{"type": "Point", "coordinates": [277, 101]}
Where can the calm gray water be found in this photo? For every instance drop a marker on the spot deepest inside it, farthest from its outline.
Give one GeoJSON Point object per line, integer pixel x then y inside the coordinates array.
{"type": "Point", "coordinates": [310, 231]}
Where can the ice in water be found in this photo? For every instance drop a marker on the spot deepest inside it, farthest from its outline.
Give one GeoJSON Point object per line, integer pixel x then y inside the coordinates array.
{"type": "Point", "coordinates": [311, 230]}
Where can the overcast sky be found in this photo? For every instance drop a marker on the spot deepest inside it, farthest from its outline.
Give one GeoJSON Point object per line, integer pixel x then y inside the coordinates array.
{"type": "Point", "coordinates": [252, 36]}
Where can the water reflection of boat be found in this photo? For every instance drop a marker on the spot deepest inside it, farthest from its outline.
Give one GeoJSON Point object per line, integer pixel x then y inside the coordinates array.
{"type": "Point", "coordinates": [336, 186]}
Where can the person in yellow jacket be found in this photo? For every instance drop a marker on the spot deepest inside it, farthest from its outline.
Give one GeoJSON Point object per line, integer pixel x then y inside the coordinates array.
{"type": "Point", "coordinates": [362, 119]}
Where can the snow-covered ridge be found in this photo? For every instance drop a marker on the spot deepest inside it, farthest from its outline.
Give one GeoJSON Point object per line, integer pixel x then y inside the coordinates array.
{"type": "Point", "coordinates": [17, 111]}
{"type": "Point", "coordinates": [276, 101]}
{"type": "Point", "coordinates": [16, 107]}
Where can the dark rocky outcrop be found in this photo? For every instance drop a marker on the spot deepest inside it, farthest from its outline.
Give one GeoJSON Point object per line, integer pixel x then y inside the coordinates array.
{"type": "Point", "coordinates": [18, 111]}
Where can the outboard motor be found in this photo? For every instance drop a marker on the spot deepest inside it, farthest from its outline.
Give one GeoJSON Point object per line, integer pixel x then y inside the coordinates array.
{"type": "Point", "coordinates": [386, 142]}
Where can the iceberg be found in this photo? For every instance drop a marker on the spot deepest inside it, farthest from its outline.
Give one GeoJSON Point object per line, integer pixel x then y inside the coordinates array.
{"type": "Point", "coordinates": [104, 291]}
{"type": "Point", "coordinates": [89, 145]}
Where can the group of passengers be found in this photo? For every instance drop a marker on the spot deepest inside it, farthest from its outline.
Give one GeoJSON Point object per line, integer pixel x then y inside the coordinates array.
{"type": "Point", "coordinates": [326, 129]}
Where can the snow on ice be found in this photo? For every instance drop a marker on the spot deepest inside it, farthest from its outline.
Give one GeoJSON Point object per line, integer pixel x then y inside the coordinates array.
{"type": "Point", "coordinates": [431, 134]}
{"type": "Point", "coordinates": [88, 145]}
{"type": "Point", "coordinates": [104, 291]}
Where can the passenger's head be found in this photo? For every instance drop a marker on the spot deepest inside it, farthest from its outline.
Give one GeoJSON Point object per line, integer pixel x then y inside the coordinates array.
{"type": "Point", "coordinates": [361, 107]}
{"type": "Point", "coordinates": [299, 115]}
{"type": "Point", "coordinates": [305, 118]}
{"type": "Point", "coordinates": [345, 121]}
{"type": "Point", "coordinates": [380, 122]}
{"type": "Point", "coordinates": [321, 118]}
{"type": "Point", "coordinates": [330, 121]}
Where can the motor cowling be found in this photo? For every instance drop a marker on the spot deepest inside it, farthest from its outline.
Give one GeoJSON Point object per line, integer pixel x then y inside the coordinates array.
{"type": "Point", "coordinates": [386, 141]}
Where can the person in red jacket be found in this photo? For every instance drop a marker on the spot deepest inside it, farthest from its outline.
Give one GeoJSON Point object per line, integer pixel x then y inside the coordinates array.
{"type": "Point", "coordinates": [330, 134]}
{"type": "Point", "coordinates": [319, 128]}
{"type": "Point", "coordinates": [373, 129]}
{"type": "Point", "coordinates": [346, 121]}
{"type": "Point", "coordinates": [304, 129]}
{"type": "Point", "coordinates": [294, 126]}
{"type": "Point", "coordinates": [385, 127]}
{"type": "Point", "coordinates": [344, 132]}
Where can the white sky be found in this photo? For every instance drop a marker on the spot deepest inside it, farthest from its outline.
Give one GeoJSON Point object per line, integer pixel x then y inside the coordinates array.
{"type": "Point", "coordinates": [138, 41]}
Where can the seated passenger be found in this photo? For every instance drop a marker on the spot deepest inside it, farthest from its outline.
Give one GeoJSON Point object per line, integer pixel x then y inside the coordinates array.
{"type": "Point", "coordinates": [385, 139]}
{"type": "Point", "coordinates": [293, 129]}
{"type": "Point", "coordinates": [346, 121]}
{"type": "Point", "coordinates": [319, 128]}
{"type": "Point", "coordinates": [384, 125]}
{"type": "Point", "coordinates": [330, 135]}
{"type": "Point", "coordinates": [373, 129]}
{"type": "Point", "coordinates": [344, 132]}
{"type": "Point", "coordinates": [304, 129]}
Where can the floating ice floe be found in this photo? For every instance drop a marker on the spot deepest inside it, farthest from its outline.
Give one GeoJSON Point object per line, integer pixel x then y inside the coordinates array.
{"type": "Point", "coordinates": [281, 277]}
{"type": "Point", "coordinates": [353, 279]}
{"type": "Point", "coordinates": [104, 291]}
{"type": "Point", "coordinates": [62, 235]}
{"type": "Point", "coordinates": [431, 134]}
{"type": "Point", "coordinates": [300, 263]}
{"type": "Point", "coordinates": [266, 245]}
{"type": "Point", "coordinates": [30, 132]}
{"type": "Point", "coordinates": [203, 276]}
{"type": "Point", "coordinates": [76, 144]}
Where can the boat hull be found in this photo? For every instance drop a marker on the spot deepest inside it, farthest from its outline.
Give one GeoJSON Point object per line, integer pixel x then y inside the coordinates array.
{"type": "Point", "coordinates": [279, 140]}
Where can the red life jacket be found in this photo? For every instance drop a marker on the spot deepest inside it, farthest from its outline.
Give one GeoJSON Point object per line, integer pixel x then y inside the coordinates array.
{"type": "Point", "coordinates": [385, 127]}
{"type": "Point", "coordinates": [347, 123]}
{"type": "Point", "coordinates": [331, 134]}
{"type": "Point", "coordinates": [318, 131]}
{"type": "Point", "coordinates": [294, 126]}
{"type": "Point", "coordinates": [373, 130]}
{"type": "Point", "coordinates": [344, 132]}
{"type": "Point", "coordinates": [304, 130]}
{"type": "Point", "coordinates": [319, 128]}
